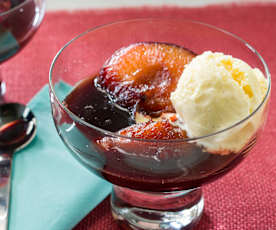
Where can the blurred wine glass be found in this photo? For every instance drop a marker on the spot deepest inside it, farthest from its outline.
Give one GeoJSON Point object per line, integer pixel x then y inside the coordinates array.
{"type": "Point", "coordinates": [19, 20]}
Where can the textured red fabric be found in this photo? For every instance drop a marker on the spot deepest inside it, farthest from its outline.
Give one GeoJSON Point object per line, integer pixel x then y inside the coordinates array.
{"type": "Point", "coordinates": [243, 199]}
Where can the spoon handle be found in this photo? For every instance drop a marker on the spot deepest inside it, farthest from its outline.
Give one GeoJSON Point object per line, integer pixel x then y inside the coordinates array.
{"type": "Point", "coordinates": [5, 175]}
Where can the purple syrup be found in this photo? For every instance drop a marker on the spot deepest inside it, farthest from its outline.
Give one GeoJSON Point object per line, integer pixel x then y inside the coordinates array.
{"type": "Point", "coordinates": [17, 24]}
{"type": "Point", "coordinates": [174, 172]}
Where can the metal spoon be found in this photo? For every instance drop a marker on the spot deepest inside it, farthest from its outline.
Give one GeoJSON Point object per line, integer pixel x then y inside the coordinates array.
{"type": "Point", "coordinates": [17, 129]}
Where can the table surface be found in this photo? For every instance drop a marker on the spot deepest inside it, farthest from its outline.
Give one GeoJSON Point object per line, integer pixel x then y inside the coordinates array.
{"type": "Point", "coordinates": [244, 198]}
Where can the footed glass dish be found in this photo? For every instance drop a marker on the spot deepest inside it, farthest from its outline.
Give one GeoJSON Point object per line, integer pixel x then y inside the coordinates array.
{"type": "Point", "coordinates": [157, 183]}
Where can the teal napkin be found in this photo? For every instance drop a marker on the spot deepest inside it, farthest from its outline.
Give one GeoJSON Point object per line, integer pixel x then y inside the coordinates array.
{"type": "Point", "coordinates": [9, 45]}
{"type": "Point", "coordinates": [50, 189]}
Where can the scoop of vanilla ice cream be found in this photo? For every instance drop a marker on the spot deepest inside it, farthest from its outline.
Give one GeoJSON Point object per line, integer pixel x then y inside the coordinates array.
{"type": "Point", "coordinates": [214, 92]}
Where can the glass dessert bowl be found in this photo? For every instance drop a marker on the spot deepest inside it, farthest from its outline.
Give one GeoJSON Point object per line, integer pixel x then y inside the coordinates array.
{"type": "Point", "coordinates": [19, 20]}
{"type": "Point", "coordinates": [129, 136]}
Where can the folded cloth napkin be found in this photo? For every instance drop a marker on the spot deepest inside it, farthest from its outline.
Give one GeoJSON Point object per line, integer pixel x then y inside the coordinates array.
{"type": "Point", "coordinates": [50, 189]}
{"type": "Point", "coordinates": [9, 45]}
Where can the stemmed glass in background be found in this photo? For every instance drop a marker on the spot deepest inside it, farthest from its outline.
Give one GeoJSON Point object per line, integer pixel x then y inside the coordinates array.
{"type": "Point", "coordinates": [156, 183]}
{"type": "Point", "coordinates": [19, 19]}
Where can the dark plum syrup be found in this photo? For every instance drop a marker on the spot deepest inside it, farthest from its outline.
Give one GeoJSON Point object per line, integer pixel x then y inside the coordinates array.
{"type": "Point", "coordinates": [18, 23]}
{"type": "Point", "coordinates": [179, 172]}
{"type": "Point", "coordinates": [94, 106]}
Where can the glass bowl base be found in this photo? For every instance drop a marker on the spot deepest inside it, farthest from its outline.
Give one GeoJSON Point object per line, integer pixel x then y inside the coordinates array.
{"type": "Point", "coordinates": [138, 210]}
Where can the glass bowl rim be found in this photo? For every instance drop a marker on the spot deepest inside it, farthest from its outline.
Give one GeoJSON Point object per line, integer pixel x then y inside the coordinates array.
{"type": "Point", "coordinates": [15, 8]}
{"type": "Point", "coordinates": [113, 134]}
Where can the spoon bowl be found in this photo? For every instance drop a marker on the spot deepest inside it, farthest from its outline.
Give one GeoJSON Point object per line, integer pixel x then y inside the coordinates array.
{"type": "Point", "coordinates": [17, 126]}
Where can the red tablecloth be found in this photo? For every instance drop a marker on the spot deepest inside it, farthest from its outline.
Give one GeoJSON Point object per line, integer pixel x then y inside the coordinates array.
{"type": "Point", "coordinates": [243, 199]}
